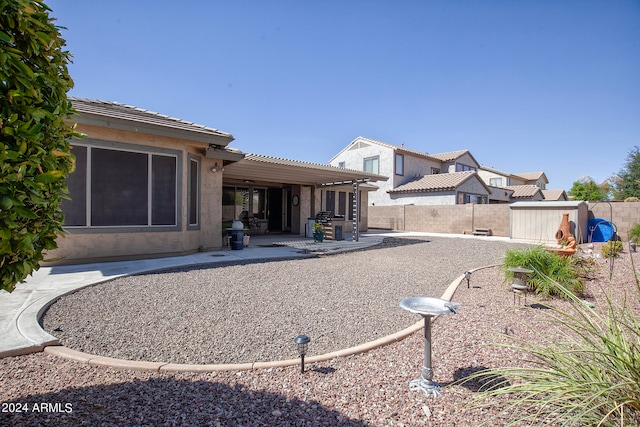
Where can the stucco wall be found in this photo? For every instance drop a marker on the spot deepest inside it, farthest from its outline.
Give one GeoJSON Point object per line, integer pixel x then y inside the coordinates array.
{"type": "Point", "coordinates": [414, 166]}
{"type": "Point", "coordinates": [473, 186]}
{"type": "Point", "coordinates": [119, 243]}
{"type": "Point", "coordinates": [354, 159]}
{"type": "Point", "coordinates": [460, 218]}
{"type": "Point", "coordinates": [455, 219]}
{"type": "Point", "coordinates": [488, 175]}
{"type": "Point", "coordinates": [623, 214]}
{"type": "Point", "coordinates": [422, 199]}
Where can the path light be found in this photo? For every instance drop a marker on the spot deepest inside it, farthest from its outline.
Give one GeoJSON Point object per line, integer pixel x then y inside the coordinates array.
{"type": "Point", "coordinates": [520, 285]}
{"type": "Point", "coordinates": [302, 341]}
{"type": "Point", "coordinates": [632, 246]}
{"type": "Point", "coordinates": [467, 275]}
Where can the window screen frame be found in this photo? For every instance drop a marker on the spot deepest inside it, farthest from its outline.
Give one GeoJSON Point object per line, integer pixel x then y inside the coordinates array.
{"type": "Point", "coordinates": [191, 192]}
{"type": "Point", "coordinates": [90, 144]}
{"type": "Point", "coordinates": [371, 160]}
{"type": "Point", "coordinates": [398, 164]}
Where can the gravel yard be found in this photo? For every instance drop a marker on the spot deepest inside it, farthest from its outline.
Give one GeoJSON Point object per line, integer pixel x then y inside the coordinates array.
{"type": "Point", "coordinates": [363, 390]}
{"type": "Point", "coordinates": [252, 312]}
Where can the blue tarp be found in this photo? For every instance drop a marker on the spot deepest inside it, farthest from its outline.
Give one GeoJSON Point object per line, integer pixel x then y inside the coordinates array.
{"type": "Point", "coordinates": [600, 230]}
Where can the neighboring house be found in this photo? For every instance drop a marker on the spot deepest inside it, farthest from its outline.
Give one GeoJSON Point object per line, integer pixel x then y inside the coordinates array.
{"type": "Point", "coordinates": [147, 184]}
{"type": "Point", "coordinates": [414, 180]}
{"type": "Point", "coordinates": [442, 189]}
{"type": "Point", "coordinates": [500, 195]}
{"type": "Point", "coordinates": [555, 195]}
{"type": "Point", "coordinates": [411, 174]}
{"type": "Point", "coordinates": [497, 178]}
{"type": "Point", "coordinates": [529, 192]}
{"type": "Point", "coordinates": [539, 179]}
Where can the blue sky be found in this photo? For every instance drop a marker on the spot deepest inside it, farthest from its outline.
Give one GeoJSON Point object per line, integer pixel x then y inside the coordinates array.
{"type": "Point", "coordinates": [524, 85]}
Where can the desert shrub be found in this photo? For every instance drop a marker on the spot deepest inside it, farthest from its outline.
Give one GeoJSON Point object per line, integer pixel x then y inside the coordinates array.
{"type": "Point", "coordinates": [549, 271]}
{"type": "Point", "coordinates": [611, 249]}
{"type": "Point", "coordinates": [591, 379]}
{"type": "Point", "coordinates": [634, 232]}
{"type": "Point", "coordinates": [584, 266]}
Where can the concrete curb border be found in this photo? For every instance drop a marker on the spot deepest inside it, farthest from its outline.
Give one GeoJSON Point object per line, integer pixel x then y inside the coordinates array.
{"type": "Point", "coordinates": [135, 365]}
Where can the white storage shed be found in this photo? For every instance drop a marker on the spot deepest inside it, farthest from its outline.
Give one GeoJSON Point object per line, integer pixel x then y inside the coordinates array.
{"type": "Point", "coordinates": [539, 221]}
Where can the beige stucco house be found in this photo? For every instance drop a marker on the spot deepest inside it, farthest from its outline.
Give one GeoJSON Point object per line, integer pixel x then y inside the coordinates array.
{"type": "Point", "coordinates": [415, 177]}
{"type": "Point", "coordinates": [147, 184]}
{"type": "Point", "coordinates": [498, 178]}
{"type": "Point", "coordinates": [420, 178]}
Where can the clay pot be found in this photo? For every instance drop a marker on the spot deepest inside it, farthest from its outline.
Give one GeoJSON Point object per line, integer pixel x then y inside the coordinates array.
{"type": "Point", "coordinates": [564, 231]}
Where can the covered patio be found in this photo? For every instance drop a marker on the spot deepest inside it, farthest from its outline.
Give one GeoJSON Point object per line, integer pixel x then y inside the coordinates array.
{"type": "Point", "coordinates": [275, 195]}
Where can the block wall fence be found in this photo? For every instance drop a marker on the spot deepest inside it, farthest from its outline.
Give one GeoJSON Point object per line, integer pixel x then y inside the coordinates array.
{"type": "Point", "coordinates": [460, 219]}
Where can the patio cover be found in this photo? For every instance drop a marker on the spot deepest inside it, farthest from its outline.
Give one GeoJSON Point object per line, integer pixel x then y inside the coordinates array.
{"type": "Point", "coordinates": [259, 168]}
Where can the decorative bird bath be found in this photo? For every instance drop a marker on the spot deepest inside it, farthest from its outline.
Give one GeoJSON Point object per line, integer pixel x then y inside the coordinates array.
{"type": "Point", "coordinates": [427, 307]}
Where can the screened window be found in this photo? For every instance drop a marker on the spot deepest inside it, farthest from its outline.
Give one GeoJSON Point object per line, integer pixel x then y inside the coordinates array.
{"type": "Point", "coordinates": [495, 182]}
{"type": "Point", "coordinates": [164, 191]}
{"type": "Point", "coordinates": [399, 164]}
{"type": "Point", "coordinates": [372, 165]}
{"type": "Point", "coordinates": [194, 191]}
{"type": "Point", "coordinates": [342, 203]}
{"type": "Point", "coordinates": [331, 201]}
{"type": "Point", "coordinates": [75, 210]}
{"type": "Point", "coordinates": [462, 168]}
{"type": "Point", "coordinates": [117, 188]}
{"type": "Point", "coordinates": [464, 198]}
{"type": "Point", "coordinates": [341, 165]}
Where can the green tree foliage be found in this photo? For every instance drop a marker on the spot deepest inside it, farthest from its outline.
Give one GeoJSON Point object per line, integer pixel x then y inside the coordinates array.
{"type": "Point", "coordinates": [628, 182]}
{"type": "Point", "coordinates": [35, 154]}
{"type": "Point", "coordinates": [586, 189]}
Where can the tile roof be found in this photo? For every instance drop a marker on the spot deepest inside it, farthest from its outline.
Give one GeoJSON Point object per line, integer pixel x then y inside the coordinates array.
{"type": "Point", "coordinates": [450, 155]}
{"type": "Point", "coordinates": [530, 176]}
{"type": "Point", "coordinates": [554, 194]}
{"type": "Point", "coordinates": [115, 110]}
{"type": "Point", "coordinates": [398, 148]}
{"type": "Point", "coordinates": [434, 183]}
{"type": "Point", "coordinates": [494, 170]}
{"type": "Point", "coordinates": [523, 191]}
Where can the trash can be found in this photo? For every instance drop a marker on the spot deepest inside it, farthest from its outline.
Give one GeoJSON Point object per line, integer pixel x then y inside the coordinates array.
{"type": "Point", "coordinates": [236, 235]}
{"type": "Point", "coordinates": [236, 241]}
{"type": "Point", "coordinates": [338, 232]}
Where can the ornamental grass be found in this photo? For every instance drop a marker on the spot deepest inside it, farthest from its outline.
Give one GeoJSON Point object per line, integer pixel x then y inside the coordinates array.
{"type": "Point", "coordinates": [552, 274]}
{"type": "Point", "coordinates": [589, 378]}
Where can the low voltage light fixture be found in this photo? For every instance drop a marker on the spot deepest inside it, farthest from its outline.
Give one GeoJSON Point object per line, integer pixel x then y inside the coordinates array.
{"type": "Point", "coordinates": [216, 168]}
{"type": "Point", "coordinates": [302, 341]}
{"type": "Point", "coordinates": [467, 275]}
{"type": "Point", "coordinates": [632, 246]}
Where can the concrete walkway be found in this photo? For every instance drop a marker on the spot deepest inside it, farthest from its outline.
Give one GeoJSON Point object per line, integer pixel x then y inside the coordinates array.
{"type": "Point", "coordinates": [20, 311]}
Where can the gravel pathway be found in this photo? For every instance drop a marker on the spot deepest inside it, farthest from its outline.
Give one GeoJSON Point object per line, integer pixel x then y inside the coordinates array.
{"type": "Point", "coordinates": [251, 312]}
{"type": "Point", "coordinates": [370, 389]}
